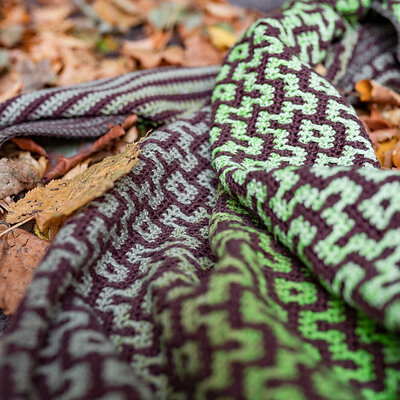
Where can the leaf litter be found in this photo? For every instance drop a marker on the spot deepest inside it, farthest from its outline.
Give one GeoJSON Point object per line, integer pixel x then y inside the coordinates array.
{"type": "Point", "coordinates": [381, 120]}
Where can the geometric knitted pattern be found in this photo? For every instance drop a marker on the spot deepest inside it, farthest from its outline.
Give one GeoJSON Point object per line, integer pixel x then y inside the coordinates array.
{"type": "Point", "coordinates": [253, 251]}
{"type": "Point", "coordinates": [283, 113]}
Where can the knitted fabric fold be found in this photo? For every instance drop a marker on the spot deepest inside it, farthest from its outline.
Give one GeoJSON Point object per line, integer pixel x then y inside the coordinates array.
{"type": "Point", "coordinates": [253, 251]}
{"type": "Point", "coordinates": [282, 113]}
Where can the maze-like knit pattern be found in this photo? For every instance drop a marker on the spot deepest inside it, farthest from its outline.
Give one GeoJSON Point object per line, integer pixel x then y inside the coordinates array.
{"type": "Point", "coordinates": [251, 254]}
{"type": "Point", "coordinates": [335, 220]}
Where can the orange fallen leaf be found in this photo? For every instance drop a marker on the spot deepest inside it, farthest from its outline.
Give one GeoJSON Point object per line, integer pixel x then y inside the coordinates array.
{"type": "Point", "coordinates": [77, 170]}
{"type": "Point", "coordinates": [116, 16]}
{"type": "Point", "coordinates": [9, 88]}
{"type": "Point", "coordinates": [64, 164]}
{"type": "Point", "coordinates": [52, 204]}
{"type": "Point", "coordinates": [375, 123]}
{"type": "Point", "coordinates": [385, 146]}
{"type": "Point", "coordinates": [20, 254]}
{"type": "Point", "coordinates": [372, 91]}
{"type": "Point", "coordinates": [29, 145]}
{"type": "Point", "coordinates": [382, 135]}
{"type": "Point", "coordinates": [396, 155]}
{"type": "Point", "coordinates": [200, 52]}
{"type": "Point", "coordinates": [152, 51]}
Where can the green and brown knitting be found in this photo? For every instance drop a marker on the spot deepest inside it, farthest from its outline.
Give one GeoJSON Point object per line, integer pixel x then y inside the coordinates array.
{"type": "Point", "coordinates": [253, 253]}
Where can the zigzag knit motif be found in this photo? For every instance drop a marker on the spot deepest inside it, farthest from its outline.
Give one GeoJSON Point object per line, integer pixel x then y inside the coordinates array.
{"type": "Point", "coordinates": [85, 110]}
{"type": "Point", "coordinates": [253, 251]}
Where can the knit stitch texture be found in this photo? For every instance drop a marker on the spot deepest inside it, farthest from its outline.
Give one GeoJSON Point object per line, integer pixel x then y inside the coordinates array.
{"type": "Point", "coordinates": [253, 252]}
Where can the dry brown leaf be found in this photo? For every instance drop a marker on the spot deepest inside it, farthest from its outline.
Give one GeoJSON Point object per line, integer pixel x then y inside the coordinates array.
{"type": "Point", "coordinates": [29, 145]}
{"type": "Point", "coordinates": [392, 115]}
{"type": "Point", "coordinates": [20, 254]}
{"type": "Point", "coordinates": [116, 16]}
{"type": "Point", "coordinates": [18, 174]}
{"type": "Point", "coordinates": [36, 76]}
{"type": "Point", "coordinates": [387, 159]}
{"type": "Point", "coordinates": [200, 52]}
{"type": "Point", "coordinates": [382, 135]}
{"type": "Point", "coordinates": [223, 11]}
{"type": "Point", "coordinates": [9, 87]}
{"type": "Point", "coordinates": [53, 17]}
{"type": "Point", "coordinates": [64, 164]}
{"type": "Point", "coordinates": [52, 204]}
{"type": "Point", "coordinates": [372, 91]}
{"type": "Point", "coordinates": [375, 123]}
{"type": "Point", "coordinates": [5, 204]}
{"type": "Point", "coordinates": [77, 170]}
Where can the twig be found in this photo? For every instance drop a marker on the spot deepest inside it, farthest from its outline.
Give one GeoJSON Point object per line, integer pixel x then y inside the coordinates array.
{"type": "Point", "coordinates": [11, 228]}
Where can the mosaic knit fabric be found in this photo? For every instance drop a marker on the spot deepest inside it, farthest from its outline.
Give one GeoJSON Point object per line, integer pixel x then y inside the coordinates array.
{"type": "Point", "coordinates": [252, 253]}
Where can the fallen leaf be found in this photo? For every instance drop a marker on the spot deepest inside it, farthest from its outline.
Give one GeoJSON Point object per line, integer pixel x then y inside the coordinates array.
{"type": "Point", "coordinates": [64, 164]}
{"type": "Point", "coordinates": [9, 88]}
{"type": "Point", "coordinates": [387, 159]}
{"type": "Point", "coordinates": [152, 51]}
{"type": "Point", "coordinates": [223, 11]}
{"type": "Point", "coordinates": [52, 204]}
{"type": "Point", "coordinates": [385, 146]}
{"type": "Point", "coordinates": [221, 38]}
{"type": "Point", "coordinates": [5, 204]}
{"type": "Point", "coordinates": [36, 76]}
{"type": "Point", "coordinates": [129, 121]}
{"type": "Point", "coordinates": [166, 15]}
{"type": "Point", "coordinates": [382, 135]}
{"type": "Point", "coordinates": [20, 254]}
{"type": "Point", "coordinates": [375, 123]}
{"type": "Point", "coordinates": [77, 170]}
{"type": "Point", "coordinates": [396, 155]}
{"type": "Point", "coordinates": [29, 145]}
{"type": "Point", "coordinates": [110, 12]}
{"type": "Point", "coordinates": [371, 91]}
{"type": "Point", "coordinates": [392, 115]}
{"type": "Point", "coordinates": [200, 52]}
{"type": "Point", "coordinates": [17, 175]}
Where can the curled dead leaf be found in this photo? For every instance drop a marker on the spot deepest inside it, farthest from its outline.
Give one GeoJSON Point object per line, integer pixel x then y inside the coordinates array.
{"type": "Point", "coordinates": [64, 164]}
{"type": "Point", "coordinates": [372, 91]}
{"type": "Point", "coordinates": [52, 204]}
{"type": "Point", "coordinates": [29, 145]}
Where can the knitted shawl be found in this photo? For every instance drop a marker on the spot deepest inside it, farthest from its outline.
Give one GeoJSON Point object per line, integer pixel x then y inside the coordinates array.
{"type": "Point", "coordinates": [253, 252]}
